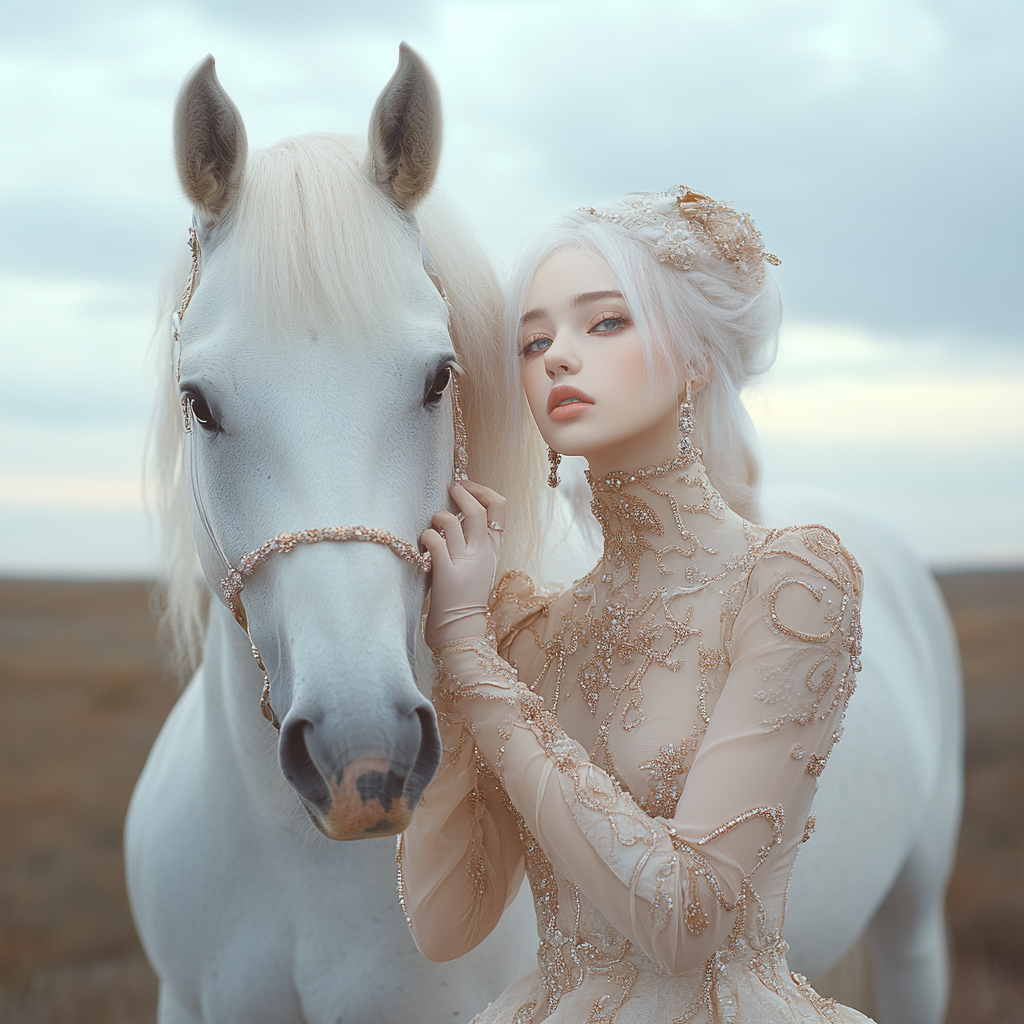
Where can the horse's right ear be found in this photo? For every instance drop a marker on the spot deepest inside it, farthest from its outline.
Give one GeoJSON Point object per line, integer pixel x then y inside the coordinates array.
{"type": "Point", "coordinates": [210, 146]}
{"type": "Point", "coordinates": [404, 139]}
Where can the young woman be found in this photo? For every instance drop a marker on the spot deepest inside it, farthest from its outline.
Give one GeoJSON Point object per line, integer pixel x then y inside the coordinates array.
{"type": "Point", "coordinates": [646, 743]}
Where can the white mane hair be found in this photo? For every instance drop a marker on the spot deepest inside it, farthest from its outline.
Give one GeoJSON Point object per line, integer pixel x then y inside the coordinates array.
{"type": "Point", "coordinates": [315, 242]}
{"type": "Point", "coordinates": [713, 324]}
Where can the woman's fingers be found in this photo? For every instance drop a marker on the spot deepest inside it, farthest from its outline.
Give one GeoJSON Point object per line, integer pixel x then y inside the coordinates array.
{"type": "Point", "coordinates": [492, 501]}
{"type": "Point", "coordinates": [479, 525]}
{"type": "Point", "coordinates": [448, 525]}
{"type": "Point", "coordinates": [475, 524]}
{"type": "Point", "coordinates": [433, 542]}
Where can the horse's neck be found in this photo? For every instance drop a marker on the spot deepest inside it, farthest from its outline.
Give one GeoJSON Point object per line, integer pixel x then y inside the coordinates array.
{"type": "Point", "coordinates": [236, 729]}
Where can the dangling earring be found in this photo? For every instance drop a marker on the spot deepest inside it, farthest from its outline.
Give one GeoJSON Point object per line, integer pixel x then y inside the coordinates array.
{"type": "Point", "coordinates": [684, 447]}
{"type": "Point", "coordinates": [554, 458]}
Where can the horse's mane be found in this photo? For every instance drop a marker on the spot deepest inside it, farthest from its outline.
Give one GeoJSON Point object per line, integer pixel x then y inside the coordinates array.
{"type": "Point", "coordinates": [318, 238]}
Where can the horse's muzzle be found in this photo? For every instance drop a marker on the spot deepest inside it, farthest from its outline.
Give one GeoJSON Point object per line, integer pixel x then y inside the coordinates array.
{"type": "Point", "coordinates": [367, 796]}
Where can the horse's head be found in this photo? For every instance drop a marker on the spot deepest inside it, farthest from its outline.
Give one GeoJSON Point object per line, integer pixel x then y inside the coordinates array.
{"type": "Point", "coordinates": [314, 362]}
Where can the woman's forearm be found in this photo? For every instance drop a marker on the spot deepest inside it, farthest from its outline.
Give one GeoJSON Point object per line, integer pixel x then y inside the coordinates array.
{"type": "Point", "coordinates": [461, 859]}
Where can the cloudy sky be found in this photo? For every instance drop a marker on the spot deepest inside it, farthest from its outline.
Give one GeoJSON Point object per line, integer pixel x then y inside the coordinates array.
{"type": "Point", "coordinates": [877, 145]}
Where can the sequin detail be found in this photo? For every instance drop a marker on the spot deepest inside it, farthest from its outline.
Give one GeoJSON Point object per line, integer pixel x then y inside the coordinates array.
{"type": "Point", "coordinates": [809, 827]}
{"type": "Point", "coordinates": [667, 770]}
{"type": "Point", "coordinates": [601, 645]}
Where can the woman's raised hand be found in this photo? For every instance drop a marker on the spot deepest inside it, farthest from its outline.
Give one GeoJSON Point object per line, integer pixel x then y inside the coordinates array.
{"type": "Point", "coordinates": [464, 551]}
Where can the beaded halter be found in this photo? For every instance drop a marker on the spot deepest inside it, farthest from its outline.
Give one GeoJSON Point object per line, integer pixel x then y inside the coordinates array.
{"type": "Point", "coordinates": [233, 582]}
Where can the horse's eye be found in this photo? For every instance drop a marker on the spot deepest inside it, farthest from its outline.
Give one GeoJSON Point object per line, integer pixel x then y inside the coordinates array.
{"type": "Point", "coordinates": [201, 414]}
{"type": "Point", "coordinates": [438, 384]}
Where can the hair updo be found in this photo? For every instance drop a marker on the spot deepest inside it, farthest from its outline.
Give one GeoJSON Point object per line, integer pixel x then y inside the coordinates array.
{"type": "Point", "coordinates": [692, 273]}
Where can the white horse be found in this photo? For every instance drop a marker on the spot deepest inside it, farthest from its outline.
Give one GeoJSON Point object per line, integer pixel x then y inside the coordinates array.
{"type": "Point", "coordinates": [310, 363]}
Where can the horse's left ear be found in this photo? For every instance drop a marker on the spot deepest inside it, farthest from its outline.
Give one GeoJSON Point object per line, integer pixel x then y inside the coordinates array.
{"type": "Point", "coordinates": [209, 143]}
{"type": "Point", "coordinates": [404, 138]}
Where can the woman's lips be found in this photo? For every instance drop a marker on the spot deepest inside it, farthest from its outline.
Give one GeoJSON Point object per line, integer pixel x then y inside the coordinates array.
{"type": "Point", "coordinates": [565, 403]}
{"type": "Point", "coordinates": [569, 411]}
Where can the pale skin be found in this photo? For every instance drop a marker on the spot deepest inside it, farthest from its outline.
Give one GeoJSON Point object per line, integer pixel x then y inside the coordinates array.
{"type": "Point", "coordinates": [587, 385]}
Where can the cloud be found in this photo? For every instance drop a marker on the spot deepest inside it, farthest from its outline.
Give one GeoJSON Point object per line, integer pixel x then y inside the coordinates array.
{"type": "Point", "coordinates": [833, 383]}
{"type": "Point", "coordinates": [872, 141]}
{"type": "Point", "coordinates": [74, 349]}
{"type": "Point", "coordinates": [869, 140]}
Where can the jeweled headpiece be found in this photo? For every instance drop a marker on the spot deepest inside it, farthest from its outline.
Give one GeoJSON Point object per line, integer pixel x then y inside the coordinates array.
{"type": "Point", "coordinates": [682, 226]}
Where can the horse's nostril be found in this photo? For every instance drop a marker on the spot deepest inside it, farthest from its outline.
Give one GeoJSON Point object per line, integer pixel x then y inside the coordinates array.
{"type": "Point", "coordinates": [298, 766]}
{"type": "Point", "coordinates": [428, 760]}
{"type": "Point", "coordinates": [372, 793]}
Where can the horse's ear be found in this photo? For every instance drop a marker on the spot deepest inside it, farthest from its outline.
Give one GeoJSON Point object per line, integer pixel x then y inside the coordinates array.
{"type": "Point", "coordinates": [405, 132]}
{"type": "Point", "coordinates": [210, 146]}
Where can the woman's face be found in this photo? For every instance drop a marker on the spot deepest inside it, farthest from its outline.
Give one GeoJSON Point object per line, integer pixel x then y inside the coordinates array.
{"type": "Point", "coordinates": [583, 369]}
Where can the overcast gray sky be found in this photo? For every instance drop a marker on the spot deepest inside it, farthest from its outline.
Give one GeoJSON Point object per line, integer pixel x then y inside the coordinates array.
{"type": "Point", "coordinates": [878, 146]}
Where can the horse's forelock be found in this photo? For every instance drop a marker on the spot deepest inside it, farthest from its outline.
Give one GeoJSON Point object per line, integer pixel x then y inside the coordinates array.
{"type": "Point", "coordinates": [312, 240]}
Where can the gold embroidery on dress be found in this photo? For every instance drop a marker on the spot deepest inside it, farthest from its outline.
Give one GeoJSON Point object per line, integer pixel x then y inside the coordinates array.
{"type": "Point", "coordinates": [625, 518]}
{"type": "Point", "coordinates": [604, 636]}
{"type": "Point", "coordinates": [503, 686]}
{"type": "Point", "coordinates": [809, 827]}
{"type": "Point", "coordinates": [666, 770]}
{"type": "Point", "coordinates": [826, 1007]}
{"type": "Point", "coordinates": [767, 963]}
{"type": "Point", "coordinates": [476, 870]}
{"type": "Point", "coordinates": [524, 1015]}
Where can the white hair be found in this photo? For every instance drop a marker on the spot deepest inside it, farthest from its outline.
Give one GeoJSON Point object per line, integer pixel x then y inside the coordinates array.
{"type": "Point", "coordinates": [716, 323]}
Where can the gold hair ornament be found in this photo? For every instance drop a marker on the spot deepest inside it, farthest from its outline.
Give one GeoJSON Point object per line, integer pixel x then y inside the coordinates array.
{"type": "Point", "coordinates": [683, 226]}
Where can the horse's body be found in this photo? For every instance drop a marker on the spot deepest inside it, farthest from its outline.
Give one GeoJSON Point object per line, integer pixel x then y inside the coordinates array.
{"type": "Point", "coordinates": [308, 359]}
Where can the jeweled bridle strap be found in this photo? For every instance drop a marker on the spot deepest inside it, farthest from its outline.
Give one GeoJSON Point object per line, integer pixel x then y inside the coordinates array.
{"type": "Point", "coordinates": [233, 581]}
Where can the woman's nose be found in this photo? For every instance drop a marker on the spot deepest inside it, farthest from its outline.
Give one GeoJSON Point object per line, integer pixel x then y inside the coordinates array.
{"type": "Point", "coordinates": [561, 357]}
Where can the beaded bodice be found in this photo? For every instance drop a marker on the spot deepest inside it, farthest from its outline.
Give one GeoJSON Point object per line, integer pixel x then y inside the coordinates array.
{"type": "Point", "coordinates": [655, 732]}
{"type": "Point", "coordinates": [631, 658]}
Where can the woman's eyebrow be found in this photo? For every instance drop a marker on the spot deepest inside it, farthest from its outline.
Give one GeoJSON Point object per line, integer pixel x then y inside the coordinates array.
{"type": "Point", "coordinates": [530, 315]}
{"type": "Point", "coordinates": [584, 298]}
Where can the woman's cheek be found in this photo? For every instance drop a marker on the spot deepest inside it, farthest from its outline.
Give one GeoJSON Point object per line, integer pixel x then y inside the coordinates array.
{"type": "Point", "coordinates": [627, 370]}
{"type": "Point", "coordinates": [536, 393]}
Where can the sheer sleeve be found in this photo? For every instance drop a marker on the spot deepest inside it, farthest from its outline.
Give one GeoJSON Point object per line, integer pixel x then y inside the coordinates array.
{"type": "Point", "coordinates": [678, 888]}
{"type": "Point", "coordinates": [461, 861]}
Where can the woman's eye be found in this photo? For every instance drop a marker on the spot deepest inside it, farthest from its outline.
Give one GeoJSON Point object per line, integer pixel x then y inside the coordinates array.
{"type": "Point", "coordinates": [441, 380]}
{"type": "Point", "coordinates": [535, 345]}
{"type": "Point", "coordinates": [609, 323]}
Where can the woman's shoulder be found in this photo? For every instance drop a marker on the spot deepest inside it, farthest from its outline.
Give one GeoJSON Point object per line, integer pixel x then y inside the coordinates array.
{"type": "Point", "coordinates": [811, 549]}
{"type": "Point", "coordinates": [796, 612]}
{"type": "Point", "coordinates": [782, 563]}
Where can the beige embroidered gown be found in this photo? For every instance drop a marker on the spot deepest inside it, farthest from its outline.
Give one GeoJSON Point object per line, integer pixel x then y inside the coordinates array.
{"type": "Point", "coordinates": [646, 746]}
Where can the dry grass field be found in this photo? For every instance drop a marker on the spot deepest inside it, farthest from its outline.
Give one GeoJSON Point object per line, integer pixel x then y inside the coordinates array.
{"type": "Point", "coordinates": [82, 696]}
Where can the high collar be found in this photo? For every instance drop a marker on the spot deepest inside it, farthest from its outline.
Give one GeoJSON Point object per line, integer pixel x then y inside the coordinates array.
{"type": "Point", "coordinates": [659, 521]}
